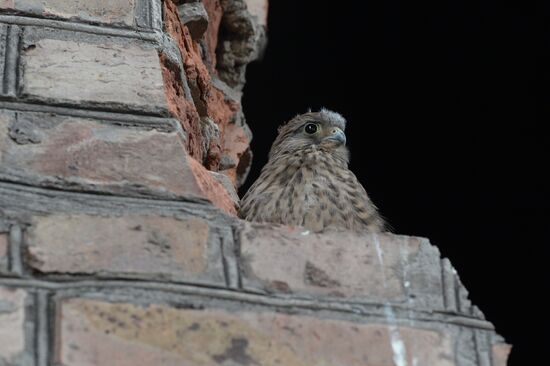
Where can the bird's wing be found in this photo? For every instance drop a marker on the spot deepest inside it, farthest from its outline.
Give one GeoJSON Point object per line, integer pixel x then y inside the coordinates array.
{"type": "Point", "coordinates": [363, 209]}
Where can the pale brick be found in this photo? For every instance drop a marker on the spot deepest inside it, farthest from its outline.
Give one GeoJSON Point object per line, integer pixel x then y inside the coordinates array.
{"type": "Point", "coordinates": [82, 73]}
{"type": "Point", "coordinates": [12, 326]}
{"type": "Point", "coordinates": [92, 332]}
{"type": "Point", "coordinates": [128, 246]}
{"type": "Point", "coordinates": [69, 152]}
{"type": "Point", "coordinates": [105, 11]}
{"type": "Point", "coordinates": [3, 252]}
{"type": "Point", "coordinates": [343, 265]}
{"type": "Point", "coordinates": [500, 354]}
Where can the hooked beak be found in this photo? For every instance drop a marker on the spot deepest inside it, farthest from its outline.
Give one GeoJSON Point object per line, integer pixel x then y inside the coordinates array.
{"type": "Point", "coordinates": [337, 135]}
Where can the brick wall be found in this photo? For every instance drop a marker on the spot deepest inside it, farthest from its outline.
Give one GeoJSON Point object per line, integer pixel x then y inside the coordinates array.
{"type": "Point", "coordinates": [122, 140]}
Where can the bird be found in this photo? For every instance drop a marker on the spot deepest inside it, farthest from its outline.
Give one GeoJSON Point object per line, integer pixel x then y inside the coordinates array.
{"type": "Point", "coordinates": [306, 181]}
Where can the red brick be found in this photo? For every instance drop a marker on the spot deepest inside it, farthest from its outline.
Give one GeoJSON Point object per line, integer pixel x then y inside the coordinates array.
{"type": "Point", "coordinates": [215, 13]}
{"type": "Point", "coordinates": [12, 326]}
{"type": "Point", "coordinates": [70, 151]}
{"type": "Point", "coordinates": [344, 265]}
{"type": "Point", "coordinates": [112, 11]}
{"type": "Point", "coordinates": [181, 108]}
{"type": "Point", "coordinates": [209, 100]}
{"type": "Point", "coordinates": [128, 246]}
{"type": "Point", "coordinates": [235, 145]}
{"type": "Point", "coordinates": [92, 332]}
{"type": "Point", "coordinates": [500, 354]}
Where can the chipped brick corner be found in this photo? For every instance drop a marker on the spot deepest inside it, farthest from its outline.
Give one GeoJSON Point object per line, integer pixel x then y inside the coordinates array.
{"type": "Point", "coordinates": [122, 143]}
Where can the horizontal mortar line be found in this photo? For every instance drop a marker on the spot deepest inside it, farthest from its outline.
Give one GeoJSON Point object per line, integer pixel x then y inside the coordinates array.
{"type": "Point", "coordinates": [98, 193]}
{"type": "Point", "coordinates": [86, 105]}
{"type": "Point", "coordinates": [159, 202]}
{"type": "Point", "coordinates": [99, 203]}
{"type": "Point", "coordinates": [227, 294]}
{"type": "Point", "coordinates": [104, 30]}
{"type": "Point", "coordinates": [144, 119]}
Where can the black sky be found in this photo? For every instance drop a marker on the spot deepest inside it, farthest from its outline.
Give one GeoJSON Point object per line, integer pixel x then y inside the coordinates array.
{"type": "Point", "coordinates": [444, 101]}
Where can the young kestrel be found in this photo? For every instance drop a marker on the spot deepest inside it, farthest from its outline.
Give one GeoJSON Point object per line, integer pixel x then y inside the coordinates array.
{"type": "Point", "coordinates": [307, 181]}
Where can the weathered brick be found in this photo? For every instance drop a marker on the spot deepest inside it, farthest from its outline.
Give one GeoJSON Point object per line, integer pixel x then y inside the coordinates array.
{"type": "Point", "coordinates": [109, 74]}
{"type": "Point", "coordinates": [236, 146]}
{"type": "Point", "coordinates": [215, 13]}
{"type": "Point", "coordinates": [12, 327]}
{"type": "Point", "coordinates": [500, 354]}
{"type": "Point", "coordinates": [76, 153]}
{"type": "Point", "coordinates": [195, 18]}
{"type": "Point", "coordinates": [208, 99]}
{"type": "Point", "coordinates": [341, 264]}
{"type": "Point", "coordinates": [92, 332]}
{"type": "Point", "coordinates": [3, 252]}
{"type": "Point", "coordinates": [128, 246]}
{"type": "Point", "coordinates": [112, 11]}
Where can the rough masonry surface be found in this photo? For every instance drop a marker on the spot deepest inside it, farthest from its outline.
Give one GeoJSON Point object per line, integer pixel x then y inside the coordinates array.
{"type": "Point", "coordinates": [122, 143]}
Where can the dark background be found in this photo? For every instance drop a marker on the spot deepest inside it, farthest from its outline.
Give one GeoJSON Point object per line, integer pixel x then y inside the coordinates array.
{"type": "Point", "coordinates": [444, 101]}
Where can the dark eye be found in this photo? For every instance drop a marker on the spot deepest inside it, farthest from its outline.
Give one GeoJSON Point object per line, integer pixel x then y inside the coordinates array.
{"type": "Point", "coordinates": [310, 128]}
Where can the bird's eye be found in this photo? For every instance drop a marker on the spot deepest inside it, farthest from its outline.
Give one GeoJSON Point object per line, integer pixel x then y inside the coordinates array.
{"type": "Point", "coordinates": [310, 128]}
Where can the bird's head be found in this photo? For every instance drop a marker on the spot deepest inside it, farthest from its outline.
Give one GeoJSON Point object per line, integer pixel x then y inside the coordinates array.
{"type": "Point", "coordinates": [323, 130]}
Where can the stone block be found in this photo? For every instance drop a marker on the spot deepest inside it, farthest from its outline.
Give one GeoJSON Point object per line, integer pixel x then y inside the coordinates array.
{"type": "Point", "coordinates": [12, 327]}
{"type": "Point", "coordinates": [85, 154]}
{"type": "Point", "coordinates": [93, 332]}
{"type": "Point", "coordinates": [341, 265]}
{"type": "Point", "coordinates": [133, 246]}
{"type": "Point", "coordinates": [108, 74]}
{"type": "Point", "coordinates": [112, 12]}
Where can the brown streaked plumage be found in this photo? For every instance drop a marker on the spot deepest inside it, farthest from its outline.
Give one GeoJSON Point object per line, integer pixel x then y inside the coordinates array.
{"type": "Point", "coordinates": [307, 181]}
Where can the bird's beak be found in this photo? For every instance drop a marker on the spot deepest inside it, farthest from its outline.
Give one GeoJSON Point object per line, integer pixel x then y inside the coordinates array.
{"type": "Point", "coordinates": [336, 135]}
